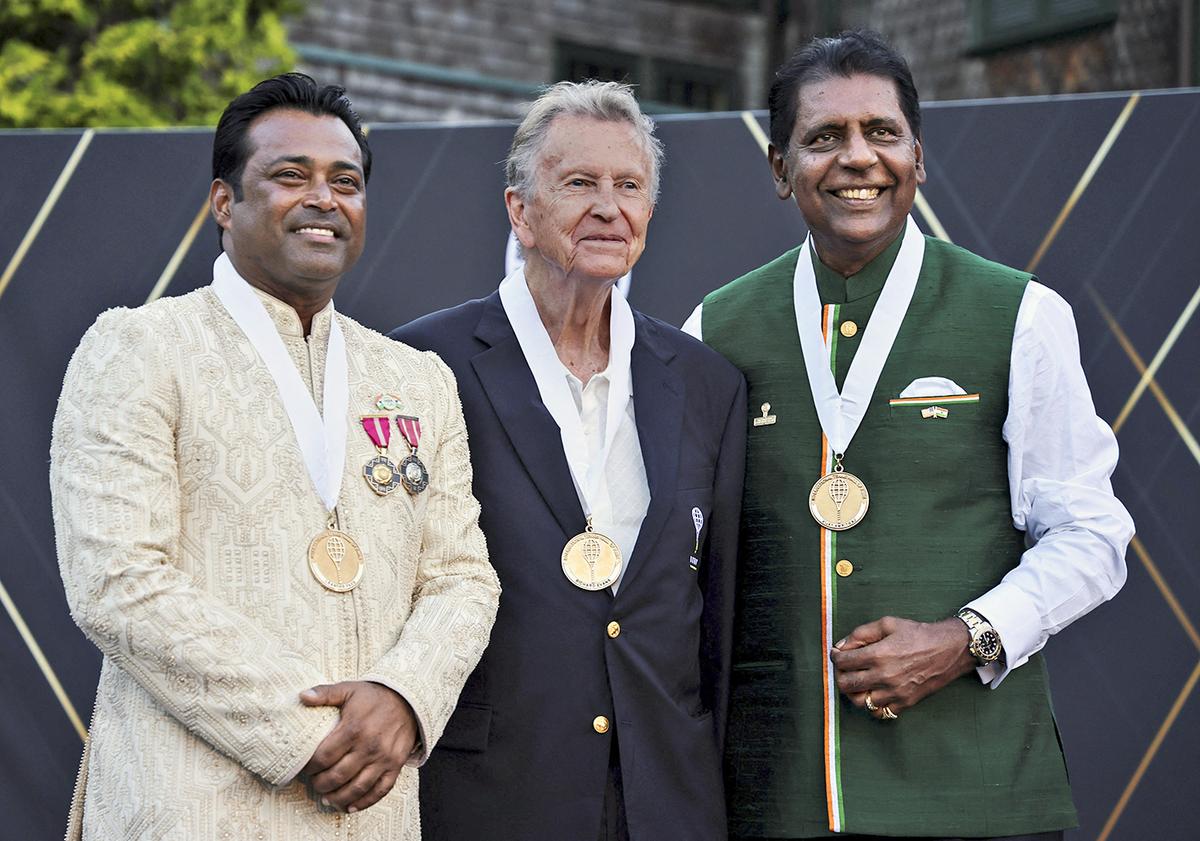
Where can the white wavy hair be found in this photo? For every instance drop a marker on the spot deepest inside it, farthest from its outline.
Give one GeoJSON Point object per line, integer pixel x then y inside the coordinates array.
{"type": "Point", "coordinates": [608, 101]}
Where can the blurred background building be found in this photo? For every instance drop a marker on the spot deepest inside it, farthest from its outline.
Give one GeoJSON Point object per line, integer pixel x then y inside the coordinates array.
{"type": "Point", "coordinates": [418, 60]}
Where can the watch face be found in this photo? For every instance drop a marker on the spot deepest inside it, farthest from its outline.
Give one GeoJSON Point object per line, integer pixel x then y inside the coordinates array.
{"type": "Point", "coordinates": [987, 646]}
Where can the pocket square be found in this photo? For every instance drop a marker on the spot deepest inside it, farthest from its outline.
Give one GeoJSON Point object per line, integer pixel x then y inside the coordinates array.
{"type": "Point", "coordinates": [932, 387]}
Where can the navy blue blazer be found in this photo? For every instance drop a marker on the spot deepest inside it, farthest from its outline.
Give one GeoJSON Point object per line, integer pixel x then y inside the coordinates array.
{"type": "Point", "coordinates": [520, 759]}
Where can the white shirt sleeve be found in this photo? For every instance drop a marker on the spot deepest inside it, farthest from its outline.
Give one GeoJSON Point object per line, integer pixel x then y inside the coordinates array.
{"type": "Point", "coordinates": [1060, 458]}
{"type": "Point", "coordinates": [692, 325]}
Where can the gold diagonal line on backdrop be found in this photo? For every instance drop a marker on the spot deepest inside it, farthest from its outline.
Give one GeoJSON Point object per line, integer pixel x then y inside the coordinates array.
{"type": "Point", "coordinates": [1167, 594]}
{"type": "Point", "coordinates": [926, 211]}
{"type": "Point", "coordinates": [931, 218]}
{"type": "Point", "coordinates": [1085, 179]}
{"type": "Point", "coordinates": [48, 205]}
{"type": "Point", "coordinates": [755, 130]}
{"type": "Point", "coordinates": [1155, 389]}
{"type": "Point", "coordinates": [1159, 737]}
{"type": "Point", "coordinates": [36, 650]}
{"type": "Point", "coordinates": [1156, 362]}
{"type": "Point", "coordinates": [181, 251]}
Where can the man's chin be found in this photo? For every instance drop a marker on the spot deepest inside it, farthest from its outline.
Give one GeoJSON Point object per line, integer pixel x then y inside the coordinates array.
{"type": "Point", "coordinates": [867, 231]}
{"type": "Point", "coordinates": [321, 269]}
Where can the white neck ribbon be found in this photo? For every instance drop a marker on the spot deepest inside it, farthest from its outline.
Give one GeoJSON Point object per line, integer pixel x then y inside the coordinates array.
{"type": "Point", "coordinates": [551, 377]}
{"type": "Point", "coordinates": [841, 413]}
{"type": "Point", "coordinates": [322, 443]}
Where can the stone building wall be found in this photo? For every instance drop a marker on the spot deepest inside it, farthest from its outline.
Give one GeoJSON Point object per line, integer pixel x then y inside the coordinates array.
{"type": "Point", "coordinates": [1140, 50]}
{"type": "Point", "coordinates": [513, 44]}
{"type": "Point", "coordinates": [501, 50]}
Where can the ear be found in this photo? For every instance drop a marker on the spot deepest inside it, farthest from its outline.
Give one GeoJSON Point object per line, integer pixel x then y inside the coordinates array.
{"type": "Point", "coordinates": [778, 161]}
{"type": "Point", "coordinates": [517, 210]}
{"type": "Point", "coordinates": [220, 197]}
{"type": "Point", "coordinates": [919, 152]}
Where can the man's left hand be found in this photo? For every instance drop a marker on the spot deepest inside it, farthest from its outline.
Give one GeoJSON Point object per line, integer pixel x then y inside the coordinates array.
{"type": "Point", "coordinates": [360, 760]}
{"type": "Point", "coordinates": [899, 661]}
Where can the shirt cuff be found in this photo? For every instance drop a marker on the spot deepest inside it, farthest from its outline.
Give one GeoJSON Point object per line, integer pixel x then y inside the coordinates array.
{"type": "Point", "coordinates": [1016, 618]}
{"type": "Point", "coordinates": [288, 776]}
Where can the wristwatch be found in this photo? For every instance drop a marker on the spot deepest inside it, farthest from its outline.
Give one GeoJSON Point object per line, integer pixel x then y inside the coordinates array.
{"type": "Point", "coordinates": [985, 645]}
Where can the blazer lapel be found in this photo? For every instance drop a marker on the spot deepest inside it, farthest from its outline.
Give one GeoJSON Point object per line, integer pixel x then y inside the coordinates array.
{"type": "Point", "coordinates": [658, 402]}
{"type": "Point", "coordinates": [513, 393]}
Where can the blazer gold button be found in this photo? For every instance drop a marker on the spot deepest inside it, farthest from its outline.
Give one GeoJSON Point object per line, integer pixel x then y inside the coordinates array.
{"type": "Point", "coordinates": [848, 329]}
{"type": "Point", "coordinates": [843, 568]}
{"type": "Point", "coordinates": [600, 724]}
{"type": "Point", "coordinates": [614, 629]}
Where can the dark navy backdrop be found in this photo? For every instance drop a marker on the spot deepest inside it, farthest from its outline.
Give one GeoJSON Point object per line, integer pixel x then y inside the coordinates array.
{"type": "Point", "coordinates": [1009, 179]}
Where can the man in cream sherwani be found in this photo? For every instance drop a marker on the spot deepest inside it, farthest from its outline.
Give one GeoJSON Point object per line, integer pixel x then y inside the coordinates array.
{"type": "Point", "coordinates": [265, 521]}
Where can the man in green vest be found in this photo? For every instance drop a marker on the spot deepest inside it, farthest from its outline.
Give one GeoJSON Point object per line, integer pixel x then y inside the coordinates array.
{"type": "Point", "coordinates": [927, 494]}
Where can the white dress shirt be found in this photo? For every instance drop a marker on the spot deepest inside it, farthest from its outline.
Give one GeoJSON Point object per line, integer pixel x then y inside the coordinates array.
{"type": "Point", "coordinates": [1060, 458]}
{"type": "Point", "coordinates": [620, 497]}
{"type": "Point", "coordinates": [624, 492]}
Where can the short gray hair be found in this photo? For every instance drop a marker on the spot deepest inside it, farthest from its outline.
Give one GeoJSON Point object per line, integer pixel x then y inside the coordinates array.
{"type": "Point", "coordinates": [608, 101]}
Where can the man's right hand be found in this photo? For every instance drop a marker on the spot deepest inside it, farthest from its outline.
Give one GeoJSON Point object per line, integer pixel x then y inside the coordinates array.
{"type": "Point", "coordinates": [357, 764]}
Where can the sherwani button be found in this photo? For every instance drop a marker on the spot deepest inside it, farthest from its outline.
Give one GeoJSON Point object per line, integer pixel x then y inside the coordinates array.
{"type": "Point", "coordinates": [600, 724]}
{"type": "Point", "coordinates": [614, 629]}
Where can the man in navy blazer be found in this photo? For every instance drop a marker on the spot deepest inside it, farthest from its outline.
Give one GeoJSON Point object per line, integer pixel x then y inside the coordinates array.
{"type": "Point", "coordinates": [596, 711]}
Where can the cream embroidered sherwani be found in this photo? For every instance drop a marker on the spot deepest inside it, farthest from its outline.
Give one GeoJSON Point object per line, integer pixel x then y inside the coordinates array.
{"type": "Point", "coordinates": [183, 512]}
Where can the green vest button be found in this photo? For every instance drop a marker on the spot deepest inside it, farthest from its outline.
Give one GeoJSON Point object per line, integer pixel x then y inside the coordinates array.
{"type": "Point", "coordinates": [848, 329]}
{"type": "Point", "coordinates": [843, 568]}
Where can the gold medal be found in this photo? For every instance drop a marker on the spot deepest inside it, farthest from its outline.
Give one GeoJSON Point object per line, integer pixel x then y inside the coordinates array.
{"type": "Point", "coordinates": [838, 500]}
{"type": "Point", "coordinates": [335, 560]}
{"type": "Point", "coordinates": [591, 561]}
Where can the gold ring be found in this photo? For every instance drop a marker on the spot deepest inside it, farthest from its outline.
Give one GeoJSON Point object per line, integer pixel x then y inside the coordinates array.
{"type": "Point", "coordinates": [888, 715]}
{"type": "Point", "coordinates": [871, 704]}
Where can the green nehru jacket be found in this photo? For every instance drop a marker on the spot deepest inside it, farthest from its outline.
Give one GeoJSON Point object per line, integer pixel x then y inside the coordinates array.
{"type": "Point", "coordinates": [802, 761]}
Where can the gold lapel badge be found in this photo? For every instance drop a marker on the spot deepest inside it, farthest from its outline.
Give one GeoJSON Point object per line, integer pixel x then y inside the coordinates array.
{"type": "Point", "coordinates": [767, 418]}
{"type": "Point", "coordinates": [934, 412]}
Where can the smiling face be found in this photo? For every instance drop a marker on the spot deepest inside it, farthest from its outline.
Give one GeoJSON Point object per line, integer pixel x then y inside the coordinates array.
{"type": "Point", "coordinates": [591, 201]}
{"type": "Point", "coordinates": [300, 222]}
{"type": "Point", "coordinates": [852, 165]}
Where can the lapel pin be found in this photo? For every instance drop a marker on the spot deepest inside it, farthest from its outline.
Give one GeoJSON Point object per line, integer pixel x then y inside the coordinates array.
{"type": "Point", "coordinates": [766, 419]}
{"type": "Point", "coordinates": [934, 412]}
{"type": "Point", "coordinates": [698, 522]}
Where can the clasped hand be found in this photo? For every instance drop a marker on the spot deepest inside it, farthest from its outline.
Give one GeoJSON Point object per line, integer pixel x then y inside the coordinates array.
{"type": "Point", "coordinates": [899, 661]}
{"type": "Point", "coordinates": [361, 758]}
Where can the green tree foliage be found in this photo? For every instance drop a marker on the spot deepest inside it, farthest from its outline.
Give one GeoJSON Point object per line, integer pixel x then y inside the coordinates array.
{"type": "Point", "coordinates": [135, 62]}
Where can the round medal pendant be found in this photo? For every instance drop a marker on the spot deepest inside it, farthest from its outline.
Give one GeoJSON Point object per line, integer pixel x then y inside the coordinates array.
{"type": "Point", "coordinates": [414, 475]}
{"type": "Point", "coordinates": [335, 560]}
{"type": "Point", "coordinates": [591, 561]}
{"type": "Point", "coordinates": [381, 474]}
{"type": "Point", "coordinates": [838, 500]}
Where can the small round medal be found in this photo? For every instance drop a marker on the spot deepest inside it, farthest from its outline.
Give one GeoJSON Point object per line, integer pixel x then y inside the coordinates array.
{"type": "Point", "coordinates": [591, 561]}
{"type": "Point", "coordinates": [335, 560]}
{"type": "Point", "coordinates": [414, 475]}
{"type": "Point", "coordinates": [381, 474]}
{"type": "Point", "coordinates": [838, 500]}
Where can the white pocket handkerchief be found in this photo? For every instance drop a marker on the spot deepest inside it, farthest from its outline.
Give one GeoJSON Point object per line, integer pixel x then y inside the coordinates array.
{"type": "Point", "coordinates": [932, 387]}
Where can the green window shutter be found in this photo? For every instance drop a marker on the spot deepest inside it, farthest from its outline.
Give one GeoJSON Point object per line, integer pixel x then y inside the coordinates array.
{"type": "Point", "coordinates": [1004, 23]}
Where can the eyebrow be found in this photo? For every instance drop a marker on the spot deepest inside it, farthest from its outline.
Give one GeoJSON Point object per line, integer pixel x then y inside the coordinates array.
{"type": "Point", "coordinates": [869, 122]}
{"type": "Point", "coordinates": [305, 160]}
{"type": "Point", "coordinates": [595, 176]}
